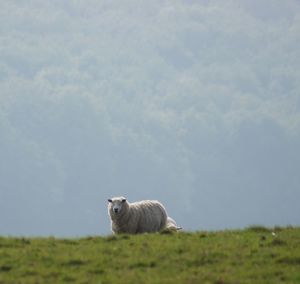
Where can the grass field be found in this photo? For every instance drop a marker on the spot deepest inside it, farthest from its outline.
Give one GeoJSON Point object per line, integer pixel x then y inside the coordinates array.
{"type": "Point", "coordinates": [253, 255]}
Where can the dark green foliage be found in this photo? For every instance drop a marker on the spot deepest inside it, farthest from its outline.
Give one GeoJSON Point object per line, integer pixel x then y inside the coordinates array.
{"type": "Point", "coordinates": [254, 255]}
{"type": "Point", "coordinates": [258, 229]}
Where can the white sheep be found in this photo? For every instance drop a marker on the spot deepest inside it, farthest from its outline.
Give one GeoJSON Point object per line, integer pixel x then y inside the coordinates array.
{"type": "Point", "coordinates": [138, 217]}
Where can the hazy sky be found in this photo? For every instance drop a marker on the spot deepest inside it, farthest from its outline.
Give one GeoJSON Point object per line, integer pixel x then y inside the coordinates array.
{"type": "Point", "coordinates": [194, 103]}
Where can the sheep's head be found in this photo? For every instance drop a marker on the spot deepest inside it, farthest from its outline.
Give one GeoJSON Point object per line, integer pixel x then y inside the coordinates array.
{"type": "Point", "coordinates": [116, 204]}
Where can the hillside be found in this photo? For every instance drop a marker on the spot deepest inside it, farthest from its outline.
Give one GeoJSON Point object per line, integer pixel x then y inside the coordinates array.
{"type": "Point", "coordinates": [253, 255]}
{"type": "Point", "coordinates": [167, 100]}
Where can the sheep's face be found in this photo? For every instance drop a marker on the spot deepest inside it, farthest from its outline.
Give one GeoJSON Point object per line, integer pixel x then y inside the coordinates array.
{"type": "Point", "coordinates": [116, 204]}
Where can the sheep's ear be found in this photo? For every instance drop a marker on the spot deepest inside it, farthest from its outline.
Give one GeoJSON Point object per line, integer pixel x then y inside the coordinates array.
{"type": "Point", "coordinates": [109, 200]}
{"type": "Point", "coordinates": [124, 199]}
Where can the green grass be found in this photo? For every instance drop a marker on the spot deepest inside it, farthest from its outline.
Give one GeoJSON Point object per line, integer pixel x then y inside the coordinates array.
{"type": "Point", "coordinates": [253, 255]}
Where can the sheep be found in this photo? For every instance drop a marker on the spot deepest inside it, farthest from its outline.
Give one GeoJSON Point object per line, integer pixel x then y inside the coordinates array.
{"type": "Point", "coordinates": [139, 217]}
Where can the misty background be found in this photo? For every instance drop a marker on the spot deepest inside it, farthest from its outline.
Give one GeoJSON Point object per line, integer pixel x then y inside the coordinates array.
{"type": "Point", "coordinates": [194, 103]}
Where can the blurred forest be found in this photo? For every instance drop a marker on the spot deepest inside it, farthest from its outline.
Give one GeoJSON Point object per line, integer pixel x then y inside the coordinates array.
{"type": "Point", "coordinates": [195, 103]}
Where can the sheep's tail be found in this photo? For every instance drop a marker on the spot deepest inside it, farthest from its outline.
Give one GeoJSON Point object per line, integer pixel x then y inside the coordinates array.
{"type": "Point", "coordinates": [175, 228]}
{"type": "Point", "coordinates": [171, 224]}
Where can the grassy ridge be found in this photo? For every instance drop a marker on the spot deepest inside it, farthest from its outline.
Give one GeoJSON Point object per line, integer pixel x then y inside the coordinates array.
{"type": "Point", "coordinates": [254, 255]}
